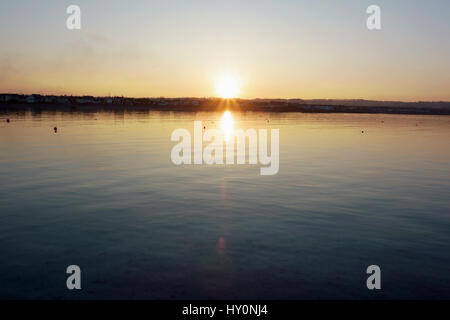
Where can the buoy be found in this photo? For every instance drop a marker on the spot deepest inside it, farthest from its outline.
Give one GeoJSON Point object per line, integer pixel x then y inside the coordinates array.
{"type": "Point", "coordinates": [7, 120]}
{"type": "Point", "coordinates": [56, 129]}
{"type": "Point", "coordinates": [362, 131]}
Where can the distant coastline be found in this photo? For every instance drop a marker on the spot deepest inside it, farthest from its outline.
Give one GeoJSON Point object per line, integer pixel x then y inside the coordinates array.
{"type": "Point", "coordinates": [12, 102]}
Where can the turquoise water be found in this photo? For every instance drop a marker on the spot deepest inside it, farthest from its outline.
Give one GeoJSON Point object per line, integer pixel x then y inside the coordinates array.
{"type": "Point", "coordinates": [102, 193]}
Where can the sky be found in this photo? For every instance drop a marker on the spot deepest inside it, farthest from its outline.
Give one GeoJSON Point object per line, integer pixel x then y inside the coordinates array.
{"type": "Point", "coordinates": [275, 49]}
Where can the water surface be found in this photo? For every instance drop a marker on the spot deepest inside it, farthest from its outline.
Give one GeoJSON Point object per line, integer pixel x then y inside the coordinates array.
{"type": "Point", "coordinates": [103, 193]}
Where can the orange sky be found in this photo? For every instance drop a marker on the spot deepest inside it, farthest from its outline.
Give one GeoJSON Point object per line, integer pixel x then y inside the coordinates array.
{"type": "Point", "coordinates": [288, 49]}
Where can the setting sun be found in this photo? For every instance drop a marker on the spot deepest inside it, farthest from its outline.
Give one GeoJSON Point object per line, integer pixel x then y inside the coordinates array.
{"type": "Point", "coordinates": [228, 86]}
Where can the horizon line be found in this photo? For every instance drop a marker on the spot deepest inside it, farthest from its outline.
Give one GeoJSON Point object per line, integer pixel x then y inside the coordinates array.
{"type": "Point", "coordinates": [220, 98]}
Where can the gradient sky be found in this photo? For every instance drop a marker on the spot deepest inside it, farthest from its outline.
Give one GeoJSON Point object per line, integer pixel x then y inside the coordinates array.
{"type": "Point", "coordinates": [279, 49]}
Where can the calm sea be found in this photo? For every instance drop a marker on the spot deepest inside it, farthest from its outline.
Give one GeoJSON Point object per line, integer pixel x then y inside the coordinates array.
{"type": "Point", "coordinates": [103, 193]}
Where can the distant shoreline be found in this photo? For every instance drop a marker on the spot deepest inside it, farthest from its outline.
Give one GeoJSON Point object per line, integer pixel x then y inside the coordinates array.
{"type": "Point", "coordinates": [35, 102]}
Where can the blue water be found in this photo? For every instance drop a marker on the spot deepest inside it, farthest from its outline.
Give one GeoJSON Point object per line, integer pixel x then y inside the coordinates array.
{"type": "Point", "coordinates": [102, 193]}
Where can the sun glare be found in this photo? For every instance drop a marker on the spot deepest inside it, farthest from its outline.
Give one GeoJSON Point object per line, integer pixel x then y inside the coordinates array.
{"type": "Point", "coordinates": [227, 125]}
{"type": "Point", "coordinates": [227, 87]}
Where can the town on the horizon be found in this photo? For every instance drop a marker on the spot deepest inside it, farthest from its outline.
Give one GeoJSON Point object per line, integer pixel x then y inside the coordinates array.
{"type": "Point", "coordinates": [63, 102]}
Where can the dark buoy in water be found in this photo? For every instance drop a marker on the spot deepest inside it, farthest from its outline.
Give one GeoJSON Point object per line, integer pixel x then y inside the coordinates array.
{"type": "Point", "coordinates": [55, 129]}
{"type": "Point", "coordinates": [7, 120]}
{"type": "Point", "coordinates": [362, 131]}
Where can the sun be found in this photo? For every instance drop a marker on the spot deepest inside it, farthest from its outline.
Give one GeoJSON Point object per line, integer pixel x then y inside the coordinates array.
{"type": "Point", "coordinates": [227, 86]}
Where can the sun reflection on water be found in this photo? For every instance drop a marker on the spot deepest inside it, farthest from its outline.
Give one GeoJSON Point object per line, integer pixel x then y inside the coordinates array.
{"type": "Point", "coordinates": [227, 125]}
